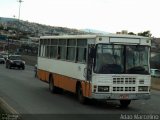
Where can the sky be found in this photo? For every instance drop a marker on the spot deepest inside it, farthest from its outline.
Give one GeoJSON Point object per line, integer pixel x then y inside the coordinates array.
{"type": "Point", "coordinates": [105, 15]}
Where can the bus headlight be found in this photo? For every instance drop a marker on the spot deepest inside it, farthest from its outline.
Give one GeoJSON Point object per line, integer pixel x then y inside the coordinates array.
{"type": "Point", "coordinates": [103, 88]}
{"type": "Point", "coordinates": [143, 88]}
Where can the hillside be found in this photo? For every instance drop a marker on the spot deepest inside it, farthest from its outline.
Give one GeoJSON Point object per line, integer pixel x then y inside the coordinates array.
{"type": "Point", "coordinates": [28, 29]}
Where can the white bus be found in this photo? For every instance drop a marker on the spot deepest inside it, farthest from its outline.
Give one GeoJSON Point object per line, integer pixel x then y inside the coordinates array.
{"type": "Point", "coordinates": [102, 67]}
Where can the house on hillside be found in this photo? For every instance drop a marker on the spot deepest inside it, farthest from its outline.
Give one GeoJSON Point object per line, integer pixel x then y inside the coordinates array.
{"type": "Point", "coordinates": [3, 38]}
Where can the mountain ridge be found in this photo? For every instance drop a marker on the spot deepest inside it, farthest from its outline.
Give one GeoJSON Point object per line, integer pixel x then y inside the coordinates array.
{"type": "Point", "coordinates": [35, 29]}
{"type": "Point", "coordinates": [88, 30]}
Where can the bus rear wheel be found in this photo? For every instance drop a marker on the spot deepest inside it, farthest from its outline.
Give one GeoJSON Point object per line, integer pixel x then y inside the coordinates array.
{"type": "Point", "coordinates": [125, 103]}
{"type": "Point", "coordinates": [52, 88]}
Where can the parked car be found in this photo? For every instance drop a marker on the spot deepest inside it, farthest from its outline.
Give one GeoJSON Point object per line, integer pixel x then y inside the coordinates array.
{"type": "Point", "coordinates": [15, 61]}
{"type": "Point", "coordinates": [4, 54]}
{"type": "Point", "coordinates": [155, 72]}
{"type": "Point", "coordinates": [2, 59]}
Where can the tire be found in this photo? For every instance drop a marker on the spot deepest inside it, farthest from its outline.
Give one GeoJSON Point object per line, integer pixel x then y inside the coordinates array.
{"type": "Point", "coordinates": [125, 103]}
{"type": "Point", "coordinates": [23, 68]}
{"type": "Point", "coordinates": [52, 88]}
{"type": "Point", "coordinates": [81, 98]}
{"type": "Point", "coordinates": [35, 75]}
{"type": "Point", "coordinates": [9, 66]}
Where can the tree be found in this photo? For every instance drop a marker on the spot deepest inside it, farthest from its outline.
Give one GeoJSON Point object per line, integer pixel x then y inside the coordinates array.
{"type": "Point", "coordinates": [145, 34]}
{"type": "Point", "coordinates": [131, 33]}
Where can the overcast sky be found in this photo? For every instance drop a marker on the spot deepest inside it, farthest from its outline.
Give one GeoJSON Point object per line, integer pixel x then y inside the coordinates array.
{"type": "Point", "coordinates": [105, 15]}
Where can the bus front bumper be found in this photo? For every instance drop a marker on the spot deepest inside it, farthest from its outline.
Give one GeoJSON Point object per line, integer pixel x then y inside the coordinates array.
{"type": "Point", "coordinates": [120, 96]}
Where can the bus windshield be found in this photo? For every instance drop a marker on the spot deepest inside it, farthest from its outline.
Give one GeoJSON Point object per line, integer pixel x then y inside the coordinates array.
{"type": "Point", "coordinates": [121, 59]}
{"type": "Point", "coordinates": [137, 59]}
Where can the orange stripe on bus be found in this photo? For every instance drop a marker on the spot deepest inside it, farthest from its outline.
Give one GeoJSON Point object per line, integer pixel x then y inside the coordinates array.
{"type": "Point", "coordinates": [86, 87]}
{"type": "Point", "coordinates": [43, 75]}
{"type": "Point", "coordinates": [66, 83]}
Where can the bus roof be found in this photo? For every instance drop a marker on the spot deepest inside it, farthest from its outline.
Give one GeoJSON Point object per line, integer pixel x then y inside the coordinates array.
{"type": "Point", "coordinates": [92, 36]}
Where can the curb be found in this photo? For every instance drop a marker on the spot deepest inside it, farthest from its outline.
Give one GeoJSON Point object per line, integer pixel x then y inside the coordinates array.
{"type": "Point", "coordinates": [7, 108]}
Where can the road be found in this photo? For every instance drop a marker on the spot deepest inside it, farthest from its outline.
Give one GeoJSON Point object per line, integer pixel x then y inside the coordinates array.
{"type": "Point", "coordinates": [28, 95]}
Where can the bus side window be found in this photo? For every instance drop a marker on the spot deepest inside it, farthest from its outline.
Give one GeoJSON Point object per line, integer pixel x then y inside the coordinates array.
{"type": "Point", "coordinates": [81, 50]}
{"type": "Point", "coordinates": [62, 49]}
{"type": "Point", "coordinates": [81, 54]}
{"type": "Point", "coordinates": [58, 53]}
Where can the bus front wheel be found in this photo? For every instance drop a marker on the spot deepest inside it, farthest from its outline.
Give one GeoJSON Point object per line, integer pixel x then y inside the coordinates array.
{"type": "Point", "coordinates": [80, 96]}
{"type": "Point", "coordinates": [125, 103]}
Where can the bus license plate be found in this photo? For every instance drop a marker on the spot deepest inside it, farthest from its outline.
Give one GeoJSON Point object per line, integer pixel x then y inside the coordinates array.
{"type": "Point", "coordinates": [124, 96]}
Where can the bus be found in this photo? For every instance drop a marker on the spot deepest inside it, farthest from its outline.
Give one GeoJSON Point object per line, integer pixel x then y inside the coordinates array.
{"type": "Point", "coordinates": [101, 67]}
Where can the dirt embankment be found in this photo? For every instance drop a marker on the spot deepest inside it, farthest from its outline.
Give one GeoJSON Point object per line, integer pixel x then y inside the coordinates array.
{"type": "Point", "coordinates": [155, 83]}
{"type": "Point", "coordinates": [30, 60]}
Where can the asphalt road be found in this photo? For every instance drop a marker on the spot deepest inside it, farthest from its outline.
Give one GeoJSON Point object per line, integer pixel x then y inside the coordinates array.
{"type": "Point", "coordinates": [29, 96]}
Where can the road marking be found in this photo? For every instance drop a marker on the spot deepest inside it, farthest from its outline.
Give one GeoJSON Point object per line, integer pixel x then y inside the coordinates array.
{"type": "Point", "coordinates": [7, 108]}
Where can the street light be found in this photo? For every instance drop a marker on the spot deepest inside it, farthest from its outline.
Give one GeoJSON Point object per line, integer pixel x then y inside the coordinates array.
{"type": "Point", "coordinates": [20, 1]}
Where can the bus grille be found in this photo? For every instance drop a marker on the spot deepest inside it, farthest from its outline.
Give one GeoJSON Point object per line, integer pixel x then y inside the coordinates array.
{"type": "Point", "coordinates": [126, 89]}
{"type": "Point", "coordinates": [127, 80]}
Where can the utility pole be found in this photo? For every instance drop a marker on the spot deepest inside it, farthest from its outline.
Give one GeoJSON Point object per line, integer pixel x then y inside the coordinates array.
{"type": "Point", "coordinates": [20, 1]}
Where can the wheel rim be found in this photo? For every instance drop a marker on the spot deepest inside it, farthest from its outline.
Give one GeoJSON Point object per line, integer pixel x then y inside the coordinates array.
{"type": "Point", "coordinates": [51, 85]}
